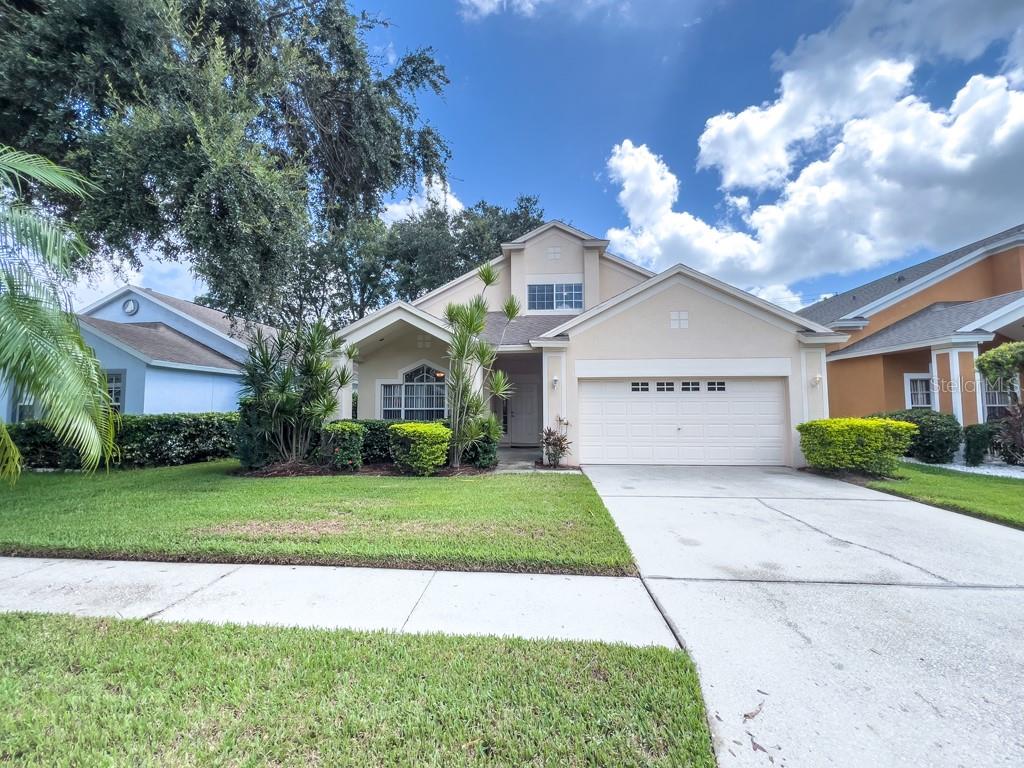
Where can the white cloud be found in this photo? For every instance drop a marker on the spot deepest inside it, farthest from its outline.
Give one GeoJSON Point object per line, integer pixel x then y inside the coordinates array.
{"type": "Point", "coordinates": [430, 190]}
{"type": "Point", "coordinates": [889, 172]}
{"type": "Point", "coordinates": [168, 277]}
{"type": "Point", "coordinates": [781, 296]}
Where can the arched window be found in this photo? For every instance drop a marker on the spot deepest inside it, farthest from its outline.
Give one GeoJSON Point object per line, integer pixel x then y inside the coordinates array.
{"type": "Point", "coordinates": [421, 396]}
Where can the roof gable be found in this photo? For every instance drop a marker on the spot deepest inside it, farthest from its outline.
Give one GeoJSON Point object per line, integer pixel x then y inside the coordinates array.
{"type": "Point", "coordinates": [871, 297]}
{"type": "Point", "coordinates": [752, 304]}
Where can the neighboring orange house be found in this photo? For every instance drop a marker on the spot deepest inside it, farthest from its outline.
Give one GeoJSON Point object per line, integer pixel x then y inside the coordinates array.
{"type": "Point", "coordinates": [915, 334]}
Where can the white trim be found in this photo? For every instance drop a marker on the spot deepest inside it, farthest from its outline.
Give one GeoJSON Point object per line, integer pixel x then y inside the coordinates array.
{"type": "Point", "coordinates": [936, 276]}
{"type": "Point", "coordinates": [805, 385]}
{"type": "Point", "coordinates": [197, 368]}
{"type": "Point", "coordinates": [378, 321]}
{"type": "Point", "coordinates": [379, 395]}
{"type": "Point", "coordinates": [935, 379]}
{"type": "Point", "coordinates": [379, 383]}
{"type": "Point", "coordinates": [626, 264]}
{"type": "Point", "coordinates": [687, 366]}
{"type": "Point", "coordinates": [824, 383]}
{"type": "Point", "coordinates": [549, 343]}
{"type": "Point", "coordinates": [822, 339]}
{"type": "Point", "coordinates": [996, 320]}
{"type": "Point", "coordinates": [848, 325]}
{"type": "Point", "coordinates": [589, 240]}
{"type": "Point", "coordinates": [925, 375]}
{"type": "Point", "coordinates": [545, 383]}
{"type": "Point", "coordinates": [943, 343]}
{"type": "Point", "coordinates": [147, 295]}
{"type": "Point", "coordinates": [741, 300]}
{"type": "Point", "coordinates": [956, 394]}
{"type": "Point", "coordinates": [495, 262]}
{"type": "Point", "coordinates": [505, 348]}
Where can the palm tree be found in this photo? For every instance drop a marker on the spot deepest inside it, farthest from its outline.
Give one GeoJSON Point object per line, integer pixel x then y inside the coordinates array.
{"type": "Point", "coordinates": [42, 353]}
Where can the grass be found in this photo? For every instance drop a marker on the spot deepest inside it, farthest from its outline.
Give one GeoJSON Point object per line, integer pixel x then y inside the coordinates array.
{"type": "Point", "coordinates": [106, 692]}
{"type": "Point", "coordinates": [553, 523]}
{"type": "Point", "coordinates": [1000, 499]}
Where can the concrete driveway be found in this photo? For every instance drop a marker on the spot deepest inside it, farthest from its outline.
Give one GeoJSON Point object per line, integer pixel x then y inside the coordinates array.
{"type": "Point", "coordinates": [833, 625]}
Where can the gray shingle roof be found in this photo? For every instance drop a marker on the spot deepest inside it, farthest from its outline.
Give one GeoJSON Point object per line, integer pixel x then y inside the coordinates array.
{"type": "Point", "coordinates": [831, 309]}
{"type": "Point", "coordinates": [214, 318]}
{"type": "Point", "coordinates": [522, 329]}
{"type": "Point", "coordinates": [935, 321]}
{"type": "Point", "coordinates": [161, 342]}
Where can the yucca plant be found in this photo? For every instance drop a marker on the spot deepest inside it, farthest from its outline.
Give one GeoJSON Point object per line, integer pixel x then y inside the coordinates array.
{"type": "Point", "coordinates": [472, 380]}
{"type": "Point", "coordinates": [42, 354]}
{"type": "Point", "coordinates": [290, 387]}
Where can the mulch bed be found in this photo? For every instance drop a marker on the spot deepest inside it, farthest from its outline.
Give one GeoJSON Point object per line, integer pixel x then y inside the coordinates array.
{"type": "Point", "coordinates": [305, 469]}
{"type": "Point", "coordinates": [539, 464]}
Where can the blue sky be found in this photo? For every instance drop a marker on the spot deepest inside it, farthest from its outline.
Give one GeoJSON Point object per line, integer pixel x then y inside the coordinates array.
{"type": "Point", "coordinates": [793, 149]}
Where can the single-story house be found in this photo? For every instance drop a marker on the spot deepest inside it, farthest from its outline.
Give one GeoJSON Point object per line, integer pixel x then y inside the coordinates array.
{"type": "Point", "coordinates": [161, 354]}
{"type": "Point", "coordinates": [636, 367]}
{"type": "Point", "coordinates": [914, 335]}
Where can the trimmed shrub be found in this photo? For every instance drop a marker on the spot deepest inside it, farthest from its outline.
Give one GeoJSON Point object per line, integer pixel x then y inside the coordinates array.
{"type": "Point", "coordinates": [252, 445]}
{"type": "Point", "coordinates": [376, 440]}
{"type": "Point", "coordinates": [978, 442]}
{"type": "Point", "coordinates": [159, 440]}
{"type": "Point", "coordinates": [556, 444]}
{"type": "Point", "coordinates": [1009, 438]}
{"type": "Point", "coordinates": [420, 448]}
{"type": "Point", "coordinates": [483, 453]}
{"type": "Point", "coordinates": [872, 446]}
{"type": "Point", "coordinates": [938, 434]}
{"type": "Point", "coordinates": [341, 445]}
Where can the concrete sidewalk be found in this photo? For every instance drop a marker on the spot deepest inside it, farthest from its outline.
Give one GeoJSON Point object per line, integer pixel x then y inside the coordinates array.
{"type": "Point", "coordinates": [602, 608]}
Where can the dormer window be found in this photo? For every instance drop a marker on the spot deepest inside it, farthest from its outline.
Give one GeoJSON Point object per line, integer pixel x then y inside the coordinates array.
{"type": "Point", "coordinates": [554, 296]}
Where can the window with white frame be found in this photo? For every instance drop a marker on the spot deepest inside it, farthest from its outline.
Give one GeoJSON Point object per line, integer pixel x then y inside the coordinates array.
{"type": "Point", "coordinates": [689, 386]}
{"type": "Point", "coordinates": [639, 386]}
{"type": "Point", "coordinates": [716, 386]}
{"type": "Point", "coordinates": [115, 388]}
{"type": "Point", "coordinates": [554, 252]}
{"type": "Point", "coordinates": [420, 396]}
{"type": "Point", "coordinates": [997, 399]}
{"type": "Point", "coordinates": [553, 296]}
{"type": "Point", "coordinates": [678, 319]}
{"type": "Point", "coordinates": [25, 407]}
{"type": "Point", "coordinates": [665, 386]}
{"type": "Point", "coordinates": [919, 391]}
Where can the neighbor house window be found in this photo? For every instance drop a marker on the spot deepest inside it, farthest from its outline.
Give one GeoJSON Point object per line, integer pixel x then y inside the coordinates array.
{"type": "Point", "coordinates": [551, 296]}
{"type": "Point", "coordinates": [420, 396]}
{"type": "Point", "coordinates": [716, 386]}
{"type": "Point", "coordinates": [115, 388]}
{"type": "Point", "coordinates": [25, 407]}
{"type": "Point", "coordinates": [997, 400]}
{"type": "Point", "coordinates": [919, 391]}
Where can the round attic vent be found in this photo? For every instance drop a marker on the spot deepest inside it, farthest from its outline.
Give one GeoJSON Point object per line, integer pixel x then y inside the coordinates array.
{"type": "Point", "coordinates": [130, 306]}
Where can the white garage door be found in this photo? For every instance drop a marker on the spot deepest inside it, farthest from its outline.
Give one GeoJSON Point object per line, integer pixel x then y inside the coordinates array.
{"type": "Point", "coordinates": [673, 421]}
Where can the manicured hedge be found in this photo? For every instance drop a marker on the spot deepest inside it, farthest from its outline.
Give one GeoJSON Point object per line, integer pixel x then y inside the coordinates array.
{"type": "Point", "coordinates": [938, 434]}
{"type": "Point", "coordinates": [376, 440]}
{"type": "Point", "coordinates": [159, 440]}
{"type": "Point", "coordinates": [341, 445]}
{"type": "Point", "coordinates": [420, 448]}
{"type": "Point", "coordinates": [978, 442]}
{"type": "Point", "coordinates": [872, 446]}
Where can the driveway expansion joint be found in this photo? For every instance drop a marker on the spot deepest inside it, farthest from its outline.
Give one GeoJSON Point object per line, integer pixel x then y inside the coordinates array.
{"type": "Point", "coordinates": [193, 593]}
{"type": "Point", "coordinates": [418, 600]}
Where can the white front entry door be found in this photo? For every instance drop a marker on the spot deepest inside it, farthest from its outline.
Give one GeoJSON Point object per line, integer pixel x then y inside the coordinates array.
{"type": "Point", "coordinates": [524, 411]}
{"type": "Point", "coordinates": [673, 421]}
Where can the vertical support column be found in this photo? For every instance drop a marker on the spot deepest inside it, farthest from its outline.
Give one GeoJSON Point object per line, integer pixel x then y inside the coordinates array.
{"type": "Point", "coordinates": [970, 411]}
{"type": "Point", "coordinates": [942, 371]}
{"type": "Point", "coordinates": [956, 383]}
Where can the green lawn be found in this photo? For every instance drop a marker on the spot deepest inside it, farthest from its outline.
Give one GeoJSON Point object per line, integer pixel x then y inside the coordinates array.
{"type": "Point", "coordinates": [992, 498]}
{"type": "Point", "coordinates": [106, 692]}
{"type": "Point", "coordinates": [535, 522]}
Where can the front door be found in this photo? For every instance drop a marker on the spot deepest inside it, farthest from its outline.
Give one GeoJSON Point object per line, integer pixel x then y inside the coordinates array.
{"type": "Point", "coordinates": [524, 411]}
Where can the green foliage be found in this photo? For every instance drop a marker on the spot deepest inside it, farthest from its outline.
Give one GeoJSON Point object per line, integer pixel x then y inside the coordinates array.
{"type": "Point", "coordinates": [938, 434]}
{"type": "Point", "coordinates": [472, 381]}
{"type": "Point", "coordinates": [556, 445]}
{"type": "Point", "coordinates": [437, 245]}
{"type": "Point", "coordinates": [252, 446]}
{"type": "Point", "coordinates": [420, 448]}
{"type": "Point", "coordinates": [158, 440]}
{"type": "Point", "coordinates": [290, 389]}
{"type": "Point", "coordinates": [376, 440]}
{"type": "Point", "coordinates": [483, 454]}
{"type": "Point", "coordinates": [872, 446]}
{"type": "Point", "coordinates": [1009, 441]}
{"type": "Point", "coordinates": [1002, 365]}
{"type": "Point", "coordinates": [341, 445]}
{"type": "Point", "coordinates": [978, 442]}
{"type": "Point", "coordinates": [42, 353]}
{"type": "Point", "coordinates": [245, 136]}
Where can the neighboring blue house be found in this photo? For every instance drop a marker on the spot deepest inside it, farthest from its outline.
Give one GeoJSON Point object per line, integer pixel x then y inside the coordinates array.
{"type": "Point", "coordinates": [161, 354]}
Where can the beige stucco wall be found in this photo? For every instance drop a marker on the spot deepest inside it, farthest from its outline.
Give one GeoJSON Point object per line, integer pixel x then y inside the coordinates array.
{"type": "Point", "coordinates": [616, 278]}
{"type": "Point", "coordinates": [467, 289]}
{"type": "Point", "coordinates": [401, 351]}
{"type": "Point", "coordinates": [717, 330]}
